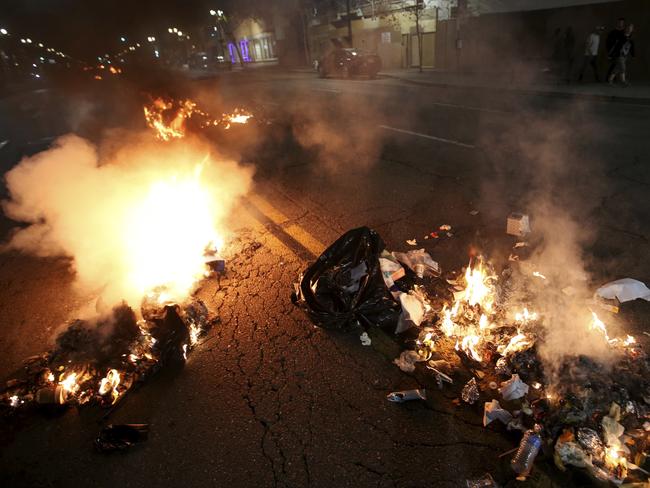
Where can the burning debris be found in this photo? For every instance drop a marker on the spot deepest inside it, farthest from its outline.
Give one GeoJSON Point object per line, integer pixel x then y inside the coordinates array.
{"type": "Point", "coordinates": [169, 118]}
{"type": "Point", "coordinates": [99, 361]}
{"type": "Point", "coordinates": [591, 410]}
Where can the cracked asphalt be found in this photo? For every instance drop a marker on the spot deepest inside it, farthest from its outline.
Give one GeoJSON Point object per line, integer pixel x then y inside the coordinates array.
{"type": "Point", "coordinates": [267, 399]}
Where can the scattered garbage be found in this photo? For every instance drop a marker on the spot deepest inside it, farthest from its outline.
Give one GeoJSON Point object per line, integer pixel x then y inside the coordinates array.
{"type": "Point", "coordinates": [412, 242]}
{"type": "Point", "coordinates": [445, 227]}
{"type": "Point", "coordinates": [529, 447]}
{"type": "Point", "coordinates": [419, 261]}
{"type": "Point", "coordinates": [513, 388]}
{"type": "Point", "coordinates": [624, 290]}
{"type": "Point", "coordinates": [391, 269]}
{"type": "Point", "coordinates": [485, 481]}
{"type": "Point", "coordinates": [365, 339]}
{"type": "Point", "coordinates": [120, 437]}
{"type": "Point", "coordinates": [470, 392]}
{"type": "Point", "coordinates": [345, 287]}
{"type": "Point", "coordinates": [492, 411]}
{"type": "Point", "coordinates": [407, 359]}
{"type": "Point", "coordinates": [407, 396]}
{"type": "Point", "coordinates": [518, 224]}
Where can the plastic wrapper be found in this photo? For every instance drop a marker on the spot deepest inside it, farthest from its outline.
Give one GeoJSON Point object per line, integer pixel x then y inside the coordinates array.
{"type": "Point", "coordinates": [470, 392]}
{"type": "Point", "coordinates": [493, 411]}
{"type": "Point", "coordinates": [591, 442]}
{"type": "Point", "coordinates": [419, 261]}
{"type": "Point", "coordinates": [485, 481]}
{"type": "Point", "coordinates": [120, 437]}
{"type": "Point", "coordinates": [513, 389]}
{"type": "Point", "coordinates": [345, 288]}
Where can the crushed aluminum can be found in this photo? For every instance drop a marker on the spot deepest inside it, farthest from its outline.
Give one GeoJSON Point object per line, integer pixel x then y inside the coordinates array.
{"type": "Point", "coordinates": [470, 392]}
{"type": "Point", "coordinates": [406, 396]}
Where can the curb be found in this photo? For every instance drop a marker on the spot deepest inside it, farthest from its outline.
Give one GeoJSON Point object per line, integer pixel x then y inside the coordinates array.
{"type": "Point", "coordinates": [524, 91]}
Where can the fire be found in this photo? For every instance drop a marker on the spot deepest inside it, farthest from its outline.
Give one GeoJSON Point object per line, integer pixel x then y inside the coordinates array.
{"type": "Point", "coordinates": [168, 118]}
{"type": "Point", "coordinates": [615, 461]}
{"type": "Point", "coordinates": [69, 384]}
{"type": "Point", "coordinates": [173, 259]}
{"type": "Point", "coordinates": [157, 113]}
{"type": "Point", "coordinates": [520, 342]}
{"type": "Point", "coordinates": [110, 383]}
{"type": "Point", "coordinates": [479, 290]}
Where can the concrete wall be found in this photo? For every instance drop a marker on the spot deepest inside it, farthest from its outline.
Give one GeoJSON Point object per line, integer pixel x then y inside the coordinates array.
{"type": "Point", "coordinates": [522, 44]}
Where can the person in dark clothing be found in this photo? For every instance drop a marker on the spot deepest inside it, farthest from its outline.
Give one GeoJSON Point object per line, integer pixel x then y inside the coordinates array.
{"type": "Point", "coordinates": [614, 37]}
{"type": "Point", "coordinates": [621, 51]}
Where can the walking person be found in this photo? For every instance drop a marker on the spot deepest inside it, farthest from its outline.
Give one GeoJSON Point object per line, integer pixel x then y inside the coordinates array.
{"type": "Point", "coordinates": [614, 37]}
{"type": "Point", "coordinates": [621, 51]}
{"type": "Point", "coordinates": [592, 44]}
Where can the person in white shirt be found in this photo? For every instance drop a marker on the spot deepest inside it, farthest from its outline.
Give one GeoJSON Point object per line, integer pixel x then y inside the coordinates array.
{"type": "Point", "coordinates": [592, 44]}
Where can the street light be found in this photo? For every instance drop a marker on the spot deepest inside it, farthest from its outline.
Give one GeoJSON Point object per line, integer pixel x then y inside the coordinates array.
{"type": "Point", "coordinates": [123, 39]}
{"type": "Point", "coordinates": [170, 30]}
{"type": "Point", "coordinates": [28, 40]}
{"type": "Point", "coordinates": [40, 44]}
{"type": "Point", "coordinates": [3, 32]}
{"type": "Point", "coordinates": [175, 29]}
{"type": "Point", "coordinates": [179, 33]}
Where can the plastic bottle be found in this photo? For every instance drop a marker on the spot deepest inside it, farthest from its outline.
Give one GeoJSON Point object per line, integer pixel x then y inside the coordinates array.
{"type": "Point", "coordinates": [530, 445]}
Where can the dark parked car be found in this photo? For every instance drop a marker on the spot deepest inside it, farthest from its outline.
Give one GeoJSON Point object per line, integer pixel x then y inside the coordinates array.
{"type": "Point", "coordinates": [347, 62]}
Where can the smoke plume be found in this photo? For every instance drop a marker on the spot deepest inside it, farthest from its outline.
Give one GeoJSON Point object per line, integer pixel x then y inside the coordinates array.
{"type": "Point", "coordinates": [136, 217]}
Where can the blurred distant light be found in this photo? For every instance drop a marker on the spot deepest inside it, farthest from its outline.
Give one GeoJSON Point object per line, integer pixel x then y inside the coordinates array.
{"type": "Point", "coordinates": [137, 44]}
{"type": "Point", "coordinates": [40, 44]}
{"type": "Point", "coordinates": [220, 13]}
{"type": "Point", "coordinates": [3, 32]}
{"type": "Point", "coordinates": [42, 58]}
{"type": "Point", "coordinates": [36, 75]}
{"type": "Point", "coordinates": [175, 29]}
{"type": "Point", "coordinates": [123, 39]}
{"type": "Point", "coordinates": [34, 65]}
{"type": "Point", "coordinates": [170, 30]}
{"type": "Point", "coordinates": [23, 41]}
{"type": "Point", "coordinates": [156, 53]}
{"type": "Point", "coordinates": [151, 39]}
{"type": "Point", "coordinates": [28, 40]}
{"type": "Point", "coordinates": [179, 33]}
{"type": "Point", "coordinates": [213, 12]}
{"type": "Point", "coordinates": [99, 58]}
{"type": "Point", "coordinates": [187, 37]}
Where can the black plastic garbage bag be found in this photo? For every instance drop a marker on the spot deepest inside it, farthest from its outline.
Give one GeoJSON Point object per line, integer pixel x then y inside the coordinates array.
{"type": "Point", "coordinates": [344, 288]}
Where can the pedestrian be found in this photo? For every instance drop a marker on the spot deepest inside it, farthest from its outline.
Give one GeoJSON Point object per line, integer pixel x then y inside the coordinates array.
{"type": "Point", "coordinates": [569, 44]}
{"type": "Point", "coordinates": [592, 44]}
{"type": "Point", "coordinates": [621, 51]}
{"type": "Point", "coordinates": [613, 38]}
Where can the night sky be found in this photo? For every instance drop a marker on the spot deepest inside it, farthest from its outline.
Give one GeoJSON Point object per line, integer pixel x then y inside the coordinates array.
{"type": "Point", "coordinates": [86, 28]}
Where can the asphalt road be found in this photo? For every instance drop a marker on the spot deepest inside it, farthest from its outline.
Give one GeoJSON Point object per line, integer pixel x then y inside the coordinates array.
{"type": "Point", "coordinates": [267, 399]}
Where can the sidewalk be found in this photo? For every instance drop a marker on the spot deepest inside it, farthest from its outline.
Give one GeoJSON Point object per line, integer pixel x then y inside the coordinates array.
{"type": "Point", "coordinates": [635, 93]}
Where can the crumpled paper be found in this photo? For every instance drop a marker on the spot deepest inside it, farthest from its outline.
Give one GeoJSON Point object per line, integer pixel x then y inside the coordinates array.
{"type": "Point", "coordinates": [624, 290]}
{"type": "Point", "coordinates": [570, 453]}
{"type": "Point", "coordinates": [493, 411]}
{"type": "Point", "coordinates": [365, 339]}
{"type": "Point", "coordinates": [406, 361]}
{"type": "Point", "coordinates": [513, 388]}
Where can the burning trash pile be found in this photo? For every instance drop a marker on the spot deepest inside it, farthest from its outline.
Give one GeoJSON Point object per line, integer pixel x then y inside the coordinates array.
{"type": "Point", "coordinates": [170, 118]}
{"type": "Point", "coordinates": [142, 224]}
{"type": "Point", "coordinates": [494, 331]}
{"type": "Point", "coordinates": [98, 361]}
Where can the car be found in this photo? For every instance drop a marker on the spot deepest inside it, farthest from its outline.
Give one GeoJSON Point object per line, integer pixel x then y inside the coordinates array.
{"type": "Point", "coordinates": [349, 62]}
